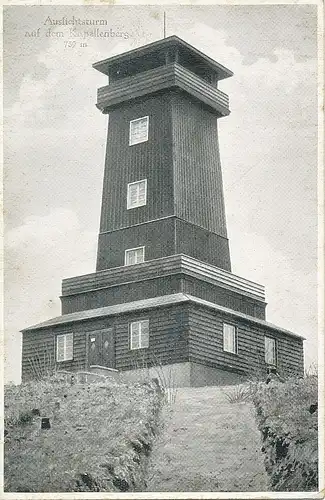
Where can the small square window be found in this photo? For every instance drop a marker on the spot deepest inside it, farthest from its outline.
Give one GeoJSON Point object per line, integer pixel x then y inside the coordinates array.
{"type": "Point", "coordinates": [139, 130]}
{"type": "Point", "coordinates": [64, 347]}
{"type": "Point", "coordinates": [229, 338]}
{"type": "Point", "coordinates": [137, 194]}
{"type": "Point", "coordinates": [139, 334]}
{"type": "Point", "coordinates": [270, 351]}
{"type": "Point", "coordinates": [134, 256]}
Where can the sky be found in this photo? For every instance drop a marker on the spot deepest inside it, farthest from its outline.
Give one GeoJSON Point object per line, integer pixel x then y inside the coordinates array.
{"type": "Point", "coordinates": [54, 149]}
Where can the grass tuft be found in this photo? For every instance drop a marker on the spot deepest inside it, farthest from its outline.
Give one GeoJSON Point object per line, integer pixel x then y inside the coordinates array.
{"type": "Point", "coordinates": [238, 394]}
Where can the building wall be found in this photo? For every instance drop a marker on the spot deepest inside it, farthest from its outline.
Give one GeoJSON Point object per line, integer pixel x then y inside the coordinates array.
{"type": "Point", "coordinates": [206, 344]}
{"type": "Point", "coordinates": [197, 169]}
{"type": "Point", "coordinates": [201, 244]}
{"type": "Point", "coordinates": [151, 160]}
{"type": "Point", "coordinates": [146, 288]}
{"type": "Point", "coordinates": [122, 293]}
{"type": "Point", "coordinates": [162, 238]}
{"type": "Point", "coordinates": [223, 297]}
{"type": "Point", "coordinates": [158, 238]}
{"type": "Point", "coordinates": [181, 163]}
{"type": "Point", "coordinates": [178, 334]}
{"type": "Point", "coordinates": [168, 341]}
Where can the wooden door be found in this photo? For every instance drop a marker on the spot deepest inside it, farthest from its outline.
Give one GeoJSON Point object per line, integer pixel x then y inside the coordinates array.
{"type": "Point", "coordinates": [101, 348]}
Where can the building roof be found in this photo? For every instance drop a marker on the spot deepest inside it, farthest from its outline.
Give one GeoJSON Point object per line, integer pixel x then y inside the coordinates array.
{"type": "Point", "coordinates": [104, 65]}
{"type": "Point", "coordinates": [163, 301]}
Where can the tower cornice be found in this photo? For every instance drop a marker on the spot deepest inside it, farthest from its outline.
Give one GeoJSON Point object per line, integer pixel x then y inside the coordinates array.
{"type": "Point", "coordinates": [158, 47]}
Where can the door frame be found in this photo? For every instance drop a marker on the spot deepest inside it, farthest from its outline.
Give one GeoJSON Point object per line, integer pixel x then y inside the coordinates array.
{"type": "Point", "coordinates": [99, 330]}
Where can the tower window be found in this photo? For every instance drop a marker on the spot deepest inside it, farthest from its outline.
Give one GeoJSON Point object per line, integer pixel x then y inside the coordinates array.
{"type": "Point", "coordinates": [229, 338]}
{"type": "Point", "coordinates": [64, 347]}
{"type": "Point", "coordinates": [134, 256]}
{"type": "Point", "coordinates": [139, 130]}
{"type": "Point", "coordinates": [137, 194]}
{"type": "Point", "coordinates": [270, 351]}
{"type": "Point", "coordinates": [139, 334]}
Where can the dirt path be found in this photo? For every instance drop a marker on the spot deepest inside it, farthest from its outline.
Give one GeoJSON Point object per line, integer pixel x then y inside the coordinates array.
{"type": "Point", "coordinates": [208, 444]}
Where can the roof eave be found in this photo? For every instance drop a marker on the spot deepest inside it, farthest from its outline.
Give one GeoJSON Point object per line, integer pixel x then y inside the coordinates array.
{"type": "Point", "coordinates": [103, 65]}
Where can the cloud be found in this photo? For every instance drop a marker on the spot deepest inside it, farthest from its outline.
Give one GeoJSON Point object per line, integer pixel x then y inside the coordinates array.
{"type": "Point", "coordinates": [38, 255]}
{"type": "Point", "coordinates": [291, 292]}
{"type": "Point", "coordinates": [54, 156]}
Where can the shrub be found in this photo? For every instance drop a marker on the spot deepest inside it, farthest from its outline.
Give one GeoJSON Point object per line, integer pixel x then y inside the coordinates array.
{"type": "Point", "coordinates": [289, 432]}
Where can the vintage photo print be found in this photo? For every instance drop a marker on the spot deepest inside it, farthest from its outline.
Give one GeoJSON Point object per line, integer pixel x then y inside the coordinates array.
{"type": "Point", "coordinates": [163, 278]}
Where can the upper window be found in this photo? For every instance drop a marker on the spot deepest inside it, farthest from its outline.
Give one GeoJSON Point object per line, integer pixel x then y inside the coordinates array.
{"type": "Point", "coordinates": [270, 351]}
{"type": "Point", "coordinates": [229, 338]}
{"type": "Point", "coordinates": [139, 334]}
{"type": "Point", "coordinates": [137, 194]}
{"type": "Point", "coordinates": [134, 256]}
{"type": "Point", "coordinates": [139, 130]}
{"type": "Point", "coordinates": [64, 347]}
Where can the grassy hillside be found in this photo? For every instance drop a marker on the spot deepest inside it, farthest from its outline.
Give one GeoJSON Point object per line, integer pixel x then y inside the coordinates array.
{"type": "Point", "coordinates": [290, 433]}
{"type": "Point", "coordinates": [99, 440]}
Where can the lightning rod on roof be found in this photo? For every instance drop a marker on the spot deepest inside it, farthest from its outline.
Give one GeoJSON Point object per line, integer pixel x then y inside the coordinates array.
{"type": "Point", "coordinates": [164, 24]}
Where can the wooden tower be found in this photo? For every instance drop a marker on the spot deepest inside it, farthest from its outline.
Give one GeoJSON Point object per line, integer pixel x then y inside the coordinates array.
{"type": "Point", "coordinates": [163, 287]}
{"type": "Point", "coordinates": [164, 104]}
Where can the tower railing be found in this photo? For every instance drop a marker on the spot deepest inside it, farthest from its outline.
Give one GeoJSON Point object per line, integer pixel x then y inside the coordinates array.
{"type": "Point", "coordinates": [168, 76]}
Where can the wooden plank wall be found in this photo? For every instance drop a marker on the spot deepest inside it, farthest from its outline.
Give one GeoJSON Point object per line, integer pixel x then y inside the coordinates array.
{"type": "Point", "coordinates": [121, 293]}
{"type": "Point", "coordinates": [206, 344]}
{"type": "Point", "coordinates": [168, 337]}
{"type": "Point", "coordinates": [177, 334]}
{"type": "Point", "coordinates": [198, 179]}
{"type": "Point", "coordinates": [150, 160]}
{"type": "Point", "coordinates": [168, 340]}
{"type": "Point", "coordinates": [201, 244]}
{"type": "Point", "coordinates": [41, 345]}
{"type": "Point", "coordinates": [223, 297]}
{"type": "Point", "coordinates": [157, 237]}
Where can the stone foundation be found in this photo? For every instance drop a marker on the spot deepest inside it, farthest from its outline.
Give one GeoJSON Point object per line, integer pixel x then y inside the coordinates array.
{"type": "Point", "coordinates": [176, 375]}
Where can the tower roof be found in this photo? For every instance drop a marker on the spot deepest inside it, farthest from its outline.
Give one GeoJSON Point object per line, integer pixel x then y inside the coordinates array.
{"type": "Point", "coordinates": [156, 49]}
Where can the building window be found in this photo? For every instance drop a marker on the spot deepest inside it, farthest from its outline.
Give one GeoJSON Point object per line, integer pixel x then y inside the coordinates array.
{"type": "Point", "coordinates": [139, 334]}
{"type": "Point", "coordinates": [229, 338]}
{"type": "Point", "coordinates": [134, 256]}
{"type": "Point", "coordinates": [270, 351]}
{"type": "Point", "coordinates": [137, 194]}
{"type": "Point", "coordinates": [64, 347]}
{"type": "Point", "coordinates": [139, 130]}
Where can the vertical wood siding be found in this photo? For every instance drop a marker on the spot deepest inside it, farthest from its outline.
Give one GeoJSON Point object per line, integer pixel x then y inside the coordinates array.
{"type": "Point", "coordinates": [151, 160]}
{"type": "Point", "coordinates": [202, 244]}
{"type": "Point", "coordinates": [157, 237]}
{"type": "Point", "coordinates": [197, 170]}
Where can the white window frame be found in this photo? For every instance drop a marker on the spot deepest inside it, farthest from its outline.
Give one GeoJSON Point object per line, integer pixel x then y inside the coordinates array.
{"type": "Point", "coordinates": [272, 362]}
{"type": "Point", "coordinates": [66, 355]}
{"type": "Point", "coordinates": [128, 251]}
{"type": "Point", "coordinates": [139, 324]}
{"type": "Point", "coordinates": [132, 141]}
{"type": "Point", "coordinates": [234, 349]}
{"type": "Point", "coordinates": [129, 205]}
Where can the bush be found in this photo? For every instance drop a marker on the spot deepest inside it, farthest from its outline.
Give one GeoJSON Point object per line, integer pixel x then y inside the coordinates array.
{"type": "Point", "coordinates": [289, 432]}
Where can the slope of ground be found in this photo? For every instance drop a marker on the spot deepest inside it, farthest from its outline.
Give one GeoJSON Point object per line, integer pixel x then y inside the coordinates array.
{"type": "Point", "coordinates": [290, 433]}
{"type": "Point", "coordinates": [99, 439]}
{"type": "Point", "coordinates": [208, 444]}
